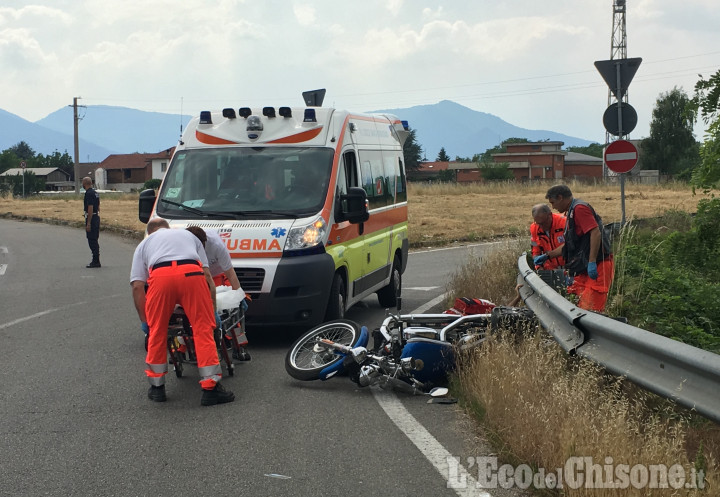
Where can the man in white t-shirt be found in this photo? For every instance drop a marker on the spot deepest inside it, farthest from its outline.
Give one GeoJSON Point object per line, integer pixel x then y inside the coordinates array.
{"type": "Point", "coordinates": [174, 265]}
{"type": "Point", "coordinates": [219, 261]}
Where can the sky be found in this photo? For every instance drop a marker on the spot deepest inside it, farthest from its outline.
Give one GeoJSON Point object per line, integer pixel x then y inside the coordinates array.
{"type": "Point", "coordinates": [528, 62]}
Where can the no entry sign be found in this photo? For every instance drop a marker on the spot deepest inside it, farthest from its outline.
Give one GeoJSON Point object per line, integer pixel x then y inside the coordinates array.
{"type": "Point", "coordinates": [621, 156]}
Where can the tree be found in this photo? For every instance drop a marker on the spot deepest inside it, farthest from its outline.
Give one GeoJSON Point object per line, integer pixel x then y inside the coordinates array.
{"type": "Point", "coordinates": [23, 151]}
{"type": "Point", "coordinates": [594, 150]}
{"type": "Point", "coordinates": [706, 104]}
{"type": "Point", "coordinates": [8, 160]}
{"type": "Point", "coordinates": [671, 146]}
{"type": "Point", "coordinates": [32, 184]}
{"type": "Point", "coordinates": [447, 176]}
{"type": "Point", "coordinates": [487, 155]}
{"type": "Point", "coordinates": [412, 152]}
{"type": "Point", "coordinates": [443, 156]}
{"type": "Point", "coordinates": [496, 171]}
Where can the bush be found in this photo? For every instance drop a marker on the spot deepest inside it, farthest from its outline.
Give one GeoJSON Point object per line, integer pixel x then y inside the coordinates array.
{"type": "Point", "coordinates": [668, 282]}
{"type": "Point", "coordinates": [152, 183]}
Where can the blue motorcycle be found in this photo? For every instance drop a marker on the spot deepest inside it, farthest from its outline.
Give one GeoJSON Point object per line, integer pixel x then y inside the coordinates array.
{"type": "Point", "coordinates": [413, 353]}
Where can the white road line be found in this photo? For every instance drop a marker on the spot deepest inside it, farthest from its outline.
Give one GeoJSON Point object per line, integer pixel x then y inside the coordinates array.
{"type": "Point", "coordinates": [426, 443]}
{"type": "Point", "coordinates": [49, 311]}
{"type": "Point", "coordinates": [458, 247]}
{"type": "Point", "coordinates": [3, 250]}
{"type": "Point", "coordinates": [3, 267]}
{"type": "Point", "coordinates": [421, 288]}
{"type": "Point", "coordinates": [431, 303]}
{"type": "Point", "coordinates": [26, 318]}
{"type": "Point", "coordinates": [423, 439]}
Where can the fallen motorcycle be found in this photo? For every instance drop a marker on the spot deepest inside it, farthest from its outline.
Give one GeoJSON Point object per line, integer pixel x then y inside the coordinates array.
{"type": "Point", "coordinates": [412, 352]}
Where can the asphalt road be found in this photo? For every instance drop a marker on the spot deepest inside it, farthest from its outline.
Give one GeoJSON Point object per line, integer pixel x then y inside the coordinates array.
{"type": "Point", "coordinates": [75, 419]}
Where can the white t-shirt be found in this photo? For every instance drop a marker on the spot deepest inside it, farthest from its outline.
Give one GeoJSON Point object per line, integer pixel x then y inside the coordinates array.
{"type": "Point", "coordinates": [218, 256]}
{"type": "Point", "coordinates": [165, 245]}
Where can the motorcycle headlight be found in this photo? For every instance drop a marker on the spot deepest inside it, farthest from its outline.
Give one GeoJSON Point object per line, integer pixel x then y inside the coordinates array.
{"type": "Point", "coordinates": [303, 237]}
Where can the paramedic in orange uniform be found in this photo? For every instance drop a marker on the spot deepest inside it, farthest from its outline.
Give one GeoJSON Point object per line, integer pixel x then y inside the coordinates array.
{"type": "Point", "coordinates": [174, 266]}
{"type": "Point", "coordinates": [587, 251]}
{"type": "Point", "coordinates": [547, 233]}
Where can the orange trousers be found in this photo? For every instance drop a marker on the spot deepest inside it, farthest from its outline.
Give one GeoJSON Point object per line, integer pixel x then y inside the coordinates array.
{"type": "Point", "coordinates": [184, 285]}
{"type": "Point", "coordinates": [593, 293]}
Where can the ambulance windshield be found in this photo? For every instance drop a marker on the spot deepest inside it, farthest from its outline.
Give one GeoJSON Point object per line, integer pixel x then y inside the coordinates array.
{"type": "Point", "coordinates": [238, 183]}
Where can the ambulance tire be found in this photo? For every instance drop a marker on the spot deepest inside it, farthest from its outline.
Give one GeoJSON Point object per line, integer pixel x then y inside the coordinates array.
{"type": "Point", "coordinates": [388, 295]}
{"type": "Point", "coordinates": [337, 300]}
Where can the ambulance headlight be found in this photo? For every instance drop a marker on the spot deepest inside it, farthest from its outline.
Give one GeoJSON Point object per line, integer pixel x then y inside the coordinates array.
{"type": "Point", "coordinates": [307, 236]}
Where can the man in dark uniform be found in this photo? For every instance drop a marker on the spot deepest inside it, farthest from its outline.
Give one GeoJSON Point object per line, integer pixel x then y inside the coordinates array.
{"type": "Point", "coordinates": [91, 205]}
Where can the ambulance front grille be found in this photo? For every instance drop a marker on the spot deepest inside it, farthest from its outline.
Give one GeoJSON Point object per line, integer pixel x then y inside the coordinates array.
{"type": "Point", "coordinates": [251, 279]}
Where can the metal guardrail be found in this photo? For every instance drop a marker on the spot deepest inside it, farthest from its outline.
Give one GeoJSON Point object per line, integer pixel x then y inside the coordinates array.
{"type": "Point", "coordinates": [671, 369]}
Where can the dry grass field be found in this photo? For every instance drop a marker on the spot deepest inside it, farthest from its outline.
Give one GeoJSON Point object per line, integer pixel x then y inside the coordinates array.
{"type": "Point", "coordinates": [439, 214]}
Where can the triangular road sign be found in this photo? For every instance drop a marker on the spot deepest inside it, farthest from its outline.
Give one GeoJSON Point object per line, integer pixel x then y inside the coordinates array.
{"type": "Point", "coordinates": [608, 69]}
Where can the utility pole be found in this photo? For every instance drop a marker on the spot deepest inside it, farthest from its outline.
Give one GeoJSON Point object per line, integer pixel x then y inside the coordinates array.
{"type": "Point", "coordinates": [76, 158]}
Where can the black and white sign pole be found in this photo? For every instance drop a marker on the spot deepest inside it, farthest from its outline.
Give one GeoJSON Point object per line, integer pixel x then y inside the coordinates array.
{"type": "Point", "coordinates": [618, 73]}
{"type": "Point", "coordinates": [620, 128]}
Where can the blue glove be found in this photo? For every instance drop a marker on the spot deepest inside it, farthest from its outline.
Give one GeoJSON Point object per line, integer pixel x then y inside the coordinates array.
{"type": "Point", "coordinates": [145, 328]}
{"type": "Point", "coordinates": [218, 321]}
{"type": "Point", "coordinates": [539, 260]}
{"type": "Point", "coordinates": [244, 305]}
{"type": "Point", "coordinates": [592, 270]}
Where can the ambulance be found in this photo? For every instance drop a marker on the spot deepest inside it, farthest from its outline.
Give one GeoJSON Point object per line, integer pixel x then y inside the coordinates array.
{"type": "Point", "coordinates": [310, 201]}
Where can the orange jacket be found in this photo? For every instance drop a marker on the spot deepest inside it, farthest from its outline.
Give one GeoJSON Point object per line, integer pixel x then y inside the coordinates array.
{"type": "Point", "coordinates": [542, 242]}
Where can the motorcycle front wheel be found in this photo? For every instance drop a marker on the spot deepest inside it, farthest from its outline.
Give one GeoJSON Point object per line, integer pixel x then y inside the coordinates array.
{"type": "Point", "coordinates": [304, 361]}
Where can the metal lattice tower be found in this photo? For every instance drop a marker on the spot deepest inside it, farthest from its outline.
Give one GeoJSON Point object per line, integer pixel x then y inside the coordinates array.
{"type": "Point", "coordinates": [618, 50]}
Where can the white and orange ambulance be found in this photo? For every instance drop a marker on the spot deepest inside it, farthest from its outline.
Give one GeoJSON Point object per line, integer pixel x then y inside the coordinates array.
{"type": "Point", "coordinates": [311, 202]}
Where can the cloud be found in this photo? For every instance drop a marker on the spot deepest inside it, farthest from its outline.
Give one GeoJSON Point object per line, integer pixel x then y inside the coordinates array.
{"type": "Point", "coordinates": [305, 14]}
{"type": "Point", "coordinates": [33, 13]}
{"type": "Point", "coordinates": [394, 6]}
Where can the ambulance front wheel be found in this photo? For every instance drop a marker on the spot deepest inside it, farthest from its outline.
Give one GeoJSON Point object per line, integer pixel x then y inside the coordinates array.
{"type": "Point", "coordinates": [336, 302]}
{"type": "Point", "coordinates": [388, 295]}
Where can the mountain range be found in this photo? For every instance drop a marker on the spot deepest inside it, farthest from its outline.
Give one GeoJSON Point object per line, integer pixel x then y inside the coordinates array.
{"type": "Point", "coordinates": [106, 130]}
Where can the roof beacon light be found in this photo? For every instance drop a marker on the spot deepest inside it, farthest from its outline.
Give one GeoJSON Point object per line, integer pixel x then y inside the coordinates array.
{"type": "Point", "coordinates": [405, 125]}
{"type": "Point", "coordinates": [309, 116]}
{"type": "Point", "coordinates": [269, 112]}
{"type": "Point", "coordinates": [254, 123]}
{"type": "Point", "coordinates": [245, 112]}
{"type": "Point", "coordinates": [285, 111]}
{"type": "Point", "coordinates": [229, 113]}
{"type": "Point", "coordinates": [205, 117]}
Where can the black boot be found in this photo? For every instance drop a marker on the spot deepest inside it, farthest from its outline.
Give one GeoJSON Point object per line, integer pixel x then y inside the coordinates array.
{"type": "Point", "coordinates": [94, 263]}
{"type": "Point", "coordinates": [157, 394]}
{"type": "Point", "coordinates": [217, 395]}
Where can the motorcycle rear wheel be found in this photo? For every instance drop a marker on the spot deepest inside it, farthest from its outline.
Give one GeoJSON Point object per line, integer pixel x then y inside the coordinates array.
{"type": "Point", "coordinates": [304, 363]}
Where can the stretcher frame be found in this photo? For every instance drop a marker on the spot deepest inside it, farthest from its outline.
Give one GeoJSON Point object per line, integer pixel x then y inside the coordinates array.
{"type": "Point", "coordinates": [231, 332]}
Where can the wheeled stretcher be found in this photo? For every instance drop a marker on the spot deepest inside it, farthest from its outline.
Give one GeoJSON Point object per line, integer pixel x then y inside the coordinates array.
{"type": "Point", "coordinates": [230, 340]}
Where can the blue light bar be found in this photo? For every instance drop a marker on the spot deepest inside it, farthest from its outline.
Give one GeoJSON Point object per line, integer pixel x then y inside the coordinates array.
{"type": "Point", "coordinates": [309, 116]}
{"type": "Point", "coordinates": [205, 117]}
{"type": "Point", "coordinates": [405, 125]}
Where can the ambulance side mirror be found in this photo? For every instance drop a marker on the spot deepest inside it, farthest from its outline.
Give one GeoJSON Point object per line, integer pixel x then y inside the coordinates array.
{"type": "Point", "coordinates": [145, 204]}
{"type": "Point", "coordinates": [354, 206]}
